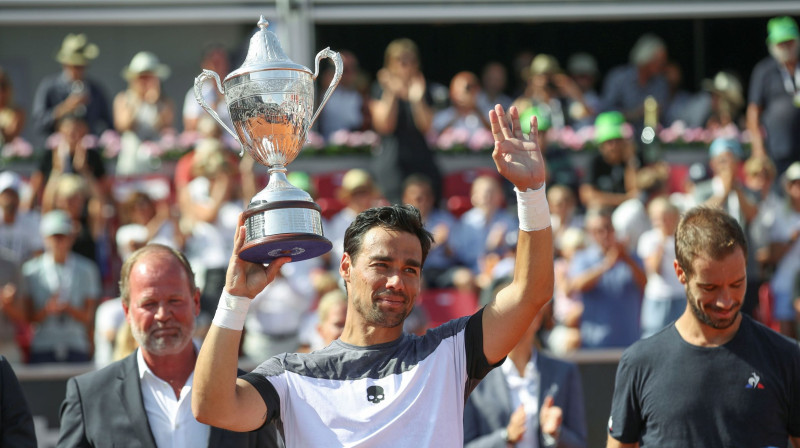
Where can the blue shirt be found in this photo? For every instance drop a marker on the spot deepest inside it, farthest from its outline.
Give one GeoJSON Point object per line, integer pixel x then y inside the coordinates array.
{"type": "Point", "coordinates": [611, 308]}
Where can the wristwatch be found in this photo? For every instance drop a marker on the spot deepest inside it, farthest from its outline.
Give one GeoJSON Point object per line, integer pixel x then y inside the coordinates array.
{"type": "Point", "coordinates": [504, 435]}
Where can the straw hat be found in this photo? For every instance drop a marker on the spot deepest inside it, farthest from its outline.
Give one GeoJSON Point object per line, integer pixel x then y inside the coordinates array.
{"type": "Point", "coordinates": [145, 62]}
{"type": "Point", "coordinates": [76, 50]}
{"type": "Point", "coordinates": [545, 64]}
{"type": "Point", "coordinates": [726, 85]}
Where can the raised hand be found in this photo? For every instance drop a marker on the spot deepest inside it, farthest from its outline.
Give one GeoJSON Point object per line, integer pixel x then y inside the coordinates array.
{"type": "Point", "coordinates": [247, 279]}
{"type": "Point", "coordinates": [517, 158]}
{"type": "Point", "coordinates": [550, 417]}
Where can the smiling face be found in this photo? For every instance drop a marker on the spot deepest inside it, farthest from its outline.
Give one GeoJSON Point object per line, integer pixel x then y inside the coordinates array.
{"type": "Point", "coordinates": [715, 291]}
{"type": "Point", "coordinates": [383, 278]}
{"type": "Point", "coordinates": [162, 307]}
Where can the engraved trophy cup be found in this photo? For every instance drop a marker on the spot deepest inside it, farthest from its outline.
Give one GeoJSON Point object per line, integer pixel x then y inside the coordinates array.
{"type": "Point", "coordinates": [271, 102]}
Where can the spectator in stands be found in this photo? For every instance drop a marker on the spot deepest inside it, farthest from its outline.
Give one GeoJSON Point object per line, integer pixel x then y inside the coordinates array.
{"type": "Point", "coordinates": [760, 185]}
{"type": "Point", "coordinates": [550, 90]}
{"type": "Point", "coordinates": [273, 324]}
{"type": "Point", "coordinates": [565, 337]}
{"type": "Point", "coordinates": [582, 68]}
{"type": "Point", "coordinates": [12, 313]}
{"type": "Point", "coordinates": [150, 221]}
{"type": "Point", "coordinates": [724, 104]}
{"type": "Point", "coordinates": [725, 190]}
{"type": "Point", "coordinates": [142, 112]}
{"type": "Point", "coordinates": [441, 267]}
{"type": "Point", "coordinates": [664, 296]}
{"type": "Point", "coordinates": [560, 169]}
{"type": "Point", "coordinates": [12, 117]}
{"type": "Point", "coordinates": [348, 106]}
{"type": "Point", "coordinates": [611, 281]}
{"type": "Point", "coordinates": [332, 311]}
{"type": "Point", "coordinates": [564, 213]}
{"type": "Point", "coordinates": [18, 229]}
{"type": "Point", "coordinates": [402, 115]}
{"type": "Point", "coordinates": [357, 193]}
{"type": "Point", "coordinates": [786, 239]}
{"type": "Point", "coordinates": [774, 96]}
{"type": "Point", "coordinates": [532, 399]}
{"type": "Point", "coordinates": [483, 228]}
{"type": "Point", "coordinates": [72, 153]}
{"type": "Point", "coordinates": [463, 116]}
{"type": "Point", "coordinates": [215, 58]}
{"type": "Point", "coordinates": [631, 218]}
{"type": "Point", "coordinates": [209, 206]}
{"type": "Point", "coordinates": [494, 80]}
{"type": "Point", "coordinates": [147, 396]}
{"type": "Point", "coordinates": [16, 421]}
{"type": "Point", "coordinates": [110, 316]}
{"type": "Point", "coordinates": [63, 290]}
{"type": "Point", "coordinates": [71, 193]}
{"type": "Point", "coordinates": [626, 87]}
{"type": "Point", "coordinates": [71, 92]}
{"type": "Point", "coordinates": [680, 103]}
{"type": "Point", "coordinates": [611, 173]}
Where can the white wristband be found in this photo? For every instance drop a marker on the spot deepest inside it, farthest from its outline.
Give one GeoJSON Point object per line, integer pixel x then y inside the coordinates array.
{"type": "Point", "coordinates": [532, 209]}
{"type": "Point", "coordinates": [231, 311]}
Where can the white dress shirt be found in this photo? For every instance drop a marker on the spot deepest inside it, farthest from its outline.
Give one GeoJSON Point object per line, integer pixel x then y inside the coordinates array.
{"type": "Point", "coordinates": [524, 390]}
{"type": "Point", "coordinates": [171, 420]}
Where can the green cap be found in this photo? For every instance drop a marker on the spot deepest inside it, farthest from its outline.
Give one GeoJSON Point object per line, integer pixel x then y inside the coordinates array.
{"type": "Point", "coordinates": [542, 118]}
{"type": "Point", "coordinates": [781, 29]}
{"type": "Point", "coordinates": [608, 126]}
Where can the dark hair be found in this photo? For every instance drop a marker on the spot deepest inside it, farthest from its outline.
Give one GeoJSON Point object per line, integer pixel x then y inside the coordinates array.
{"type": "Point", "coordinates": [417, 179]}
{"type": "Point", "coordinates": [400, 218]}
{"type": "Point", "coordinates": [710, 231]}
{"type": "Point", "coordinates": [127, 267]}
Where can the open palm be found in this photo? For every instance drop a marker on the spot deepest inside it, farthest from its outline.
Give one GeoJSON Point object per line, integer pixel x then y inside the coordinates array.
{"type": "Point", "coordinates": [246, 279]}
{"type": "Point", "coordinates": [517, 158]}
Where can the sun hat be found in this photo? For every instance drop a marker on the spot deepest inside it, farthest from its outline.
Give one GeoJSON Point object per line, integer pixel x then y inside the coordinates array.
{"type": "Point", "coordinates": [792, 173]}
{"type": "Point", "coordinates": [727, 85]}
{"type": "Point", "coordinates": [608, 126]}
{"type": "Point", "coordinates": [76, 50]}
{"type": "Point", "coordinates": [582, 64]}
{"type": "Point", "coordinates": [145, 62]}
{"type": "Point", "coordinates": [545, 64]}
{"type": "Point", "coordinates": [10, 180]}
{"type": "Point", "coordinates": [781, 29]}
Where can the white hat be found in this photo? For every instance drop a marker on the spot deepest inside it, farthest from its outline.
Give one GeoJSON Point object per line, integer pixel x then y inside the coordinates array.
{"type": "Point", "coordinates": [144, 62]}
{"type": "Point", "coordinates": [792, 173]}
{"type": "Point", "coordinates": [130, 233]}
{"type": "Point", "coordinates": [56, 222]}
{"type": "Point", "coordinates": [10, 180]}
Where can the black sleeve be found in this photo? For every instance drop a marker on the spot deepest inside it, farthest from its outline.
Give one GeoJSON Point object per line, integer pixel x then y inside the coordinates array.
{"type": "Point", "coordinates": [16, 422]}
{"type": "Point", "coordinates": [95, 161]}
{"type": "Point", "coordinates": [477, 364]}
{"type": "Point", "coordinates": [268, 394]}
{"type": "Point", "coordinates": [625, 423]}
{"type": "Point", "coordinates": [756, 91]}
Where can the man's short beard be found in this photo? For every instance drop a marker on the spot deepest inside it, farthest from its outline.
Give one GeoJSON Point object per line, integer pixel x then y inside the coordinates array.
{"type": "Point", "coordinates": [373, 315]}
{"type": "Point", "coordinates": [160, 346]}
{"type": "Point", "coordinates": [703, 317]}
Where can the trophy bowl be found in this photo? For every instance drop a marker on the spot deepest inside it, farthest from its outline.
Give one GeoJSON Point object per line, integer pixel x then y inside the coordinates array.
{"type": "Point", "coordinates": [271, 104]}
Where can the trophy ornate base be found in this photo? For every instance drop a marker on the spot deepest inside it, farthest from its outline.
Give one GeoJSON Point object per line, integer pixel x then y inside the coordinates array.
{"type": "Point", "coordinates": [283, 229]}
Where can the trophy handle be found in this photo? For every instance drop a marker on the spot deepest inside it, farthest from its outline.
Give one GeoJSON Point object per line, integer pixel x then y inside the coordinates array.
{"type": "Point", "coordinates": [198, 95]}
{"type": "Point", "coordinates": [337, 62]}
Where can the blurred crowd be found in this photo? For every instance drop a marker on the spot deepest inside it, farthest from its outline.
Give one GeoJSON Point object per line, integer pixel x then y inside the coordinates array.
{"type": "Point", "coordinates": [66, 227]}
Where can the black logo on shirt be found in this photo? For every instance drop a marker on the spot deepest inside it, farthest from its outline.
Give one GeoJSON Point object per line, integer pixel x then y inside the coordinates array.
{"type": "Point", "coordinates": [375, 394]}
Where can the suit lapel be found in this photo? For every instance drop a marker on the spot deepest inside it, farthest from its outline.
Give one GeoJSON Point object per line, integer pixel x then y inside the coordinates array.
{"type": "Point", "coordinates": [130, 391]}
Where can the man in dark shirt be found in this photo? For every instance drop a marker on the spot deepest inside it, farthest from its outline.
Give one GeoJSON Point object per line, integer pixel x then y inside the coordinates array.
{"type": "Point", "coordinates": [71, 93]}
{"type": "Point", "coordinates": [774, 101]}
{"type": "Point", "coordinates": [611, 174]}
{"type": "Point", "coordinates": [714, 378]}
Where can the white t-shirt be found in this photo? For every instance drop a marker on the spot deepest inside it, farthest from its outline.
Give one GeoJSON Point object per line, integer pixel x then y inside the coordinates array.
{"type": "Point", "coordinates": [408, 392]}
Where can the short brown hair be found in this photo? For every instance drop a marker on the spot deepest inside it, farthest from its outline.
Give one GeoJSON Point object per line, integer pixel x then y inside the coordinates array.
{"type": "Point", "coordinates": [127, 267]}
{"type": "Point", "coordinates": [709, 231]}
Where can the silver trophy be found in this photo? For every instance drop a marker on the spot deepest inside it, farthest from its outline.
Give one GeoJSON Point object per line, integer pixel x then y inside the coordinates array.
{"type": "Point", "coordinates": [271, 104]}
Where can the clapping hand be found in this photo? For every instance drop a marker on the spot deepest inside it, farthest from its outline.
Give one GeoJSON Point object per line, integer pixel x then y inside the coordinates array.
{"type": "Point", "coordinates": [518, 159]}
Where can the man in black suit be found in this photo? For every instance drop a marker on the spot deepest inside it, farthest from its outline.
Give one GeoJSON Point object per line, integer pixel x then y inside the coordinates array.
{"type": "Point", "coordinates": [531, 400]}
{"type": "Point", "coordinates": [16, 423]}
{"type": "Point", "coordinates": [144, 400]}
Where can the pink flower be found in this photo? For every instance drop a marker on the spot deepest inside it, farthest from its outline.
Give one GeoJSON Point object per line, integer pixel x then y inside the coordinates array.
{"type": "Point", "coordinates": [151, 149]}
{"type": "Point", "coordinates": [371, 138]}
{"type": "Point", "coordinates": [481, 139]}
{"type": "Point", "coordinates": [314, 140]}
{"type": "Point", "coordinates": [111, 144]}
{"type": "Point", "coordinates": [339, 138]}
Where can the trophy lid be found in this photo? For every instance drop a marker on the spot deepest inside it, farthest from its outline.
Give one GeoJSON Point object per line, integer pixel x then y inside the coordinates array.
{"type": "Point", "coordinates": [265, 53]}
